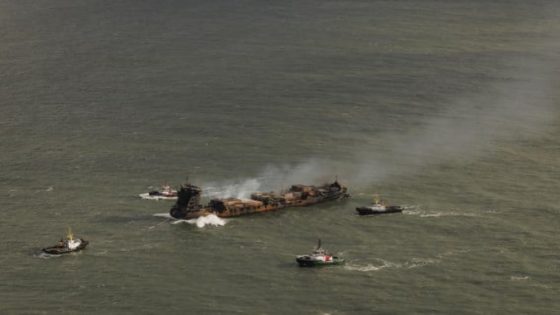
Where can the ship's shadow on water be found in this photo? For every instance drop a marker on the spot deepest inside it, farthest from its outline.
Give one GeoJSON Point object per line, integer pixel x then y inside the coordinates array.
{"type": "Point", "coordinates": [289, 265]}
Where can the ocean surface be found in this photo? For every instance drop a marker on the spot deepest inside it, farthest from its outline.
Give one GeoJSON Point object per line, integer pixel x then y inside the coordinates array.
{"type": "Point", "coordinates": [450, 108]}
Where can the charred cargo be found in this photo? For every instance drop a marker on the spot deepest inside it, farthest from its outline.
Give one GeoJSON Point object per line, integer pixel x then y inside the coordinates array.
{"type": "Point", "coordinates": [188, 204]}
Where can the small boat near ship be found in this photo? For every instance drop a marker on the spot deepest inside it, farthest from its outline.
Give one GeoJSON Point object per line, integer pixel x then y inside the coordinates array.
{"type": "Point", "coordinates": [319, 257]}
{"type": "Point", "coordinates": [165, 193]}
{"type": "Point", "coordinates": [188, 205]}
{"type": "Point", "coordinates": [68, 245]}
{"type": "Point", "coordinates": [378, 206]}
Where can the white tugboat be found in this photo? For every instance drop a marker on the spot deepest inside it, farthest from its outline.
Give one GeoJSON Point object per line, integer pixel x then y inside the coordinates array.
{"type": "Point", "coordinates": [165, 193]}
{"type": "Point", "coordinates": [319, 257]}
{"type": "Point", "coordinates": [378, 206]}
{"type": "Point", "coordinates": [67, 246]}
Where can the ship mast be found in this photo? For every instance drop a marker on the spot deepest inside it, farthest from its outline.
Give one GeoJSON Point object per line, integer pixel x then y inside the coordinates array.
{"type": "Point", "coordinates": [70, 235]}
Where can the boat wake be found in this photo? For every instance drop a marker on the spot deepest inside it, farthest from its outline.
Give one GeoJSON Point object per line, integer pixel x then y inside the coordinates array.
{"type": "Point", "coordinates": [43, 255]}
{"type": "Point", "coordinates": [409, 264]}
{"type": "Point", "coordinates": [437, 214]}
{"type": "Point", "coordinates": [200, 222]}
{"type": "Point", "coordinates": [364, 268]}
{"type": "Point", "coordinates": [384, 264]}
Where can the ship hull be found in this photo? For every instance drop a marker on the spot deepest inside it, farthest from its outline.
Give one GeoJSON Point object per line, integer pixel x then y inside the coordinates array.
{"type": "Point", "coordinates": [302, 262]}
{"type": "Point", "coordinates": [369, 211]}
{"type": "Point", "coordinates": [228, 214]}
{"type": "Point", "coordinates": [55, 250]}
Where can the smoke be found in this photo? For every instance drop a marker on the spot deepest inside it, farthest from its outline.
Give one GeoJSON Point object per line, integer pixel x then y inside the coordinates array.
{"type": "Point", "coordinates": [238, 189]}
{"type": "Point", "coordinates": [272, 178]}
{"type": "Point", "coordinates": [515, 105]}
{"type": "Point", "coordinates": [519, 109]}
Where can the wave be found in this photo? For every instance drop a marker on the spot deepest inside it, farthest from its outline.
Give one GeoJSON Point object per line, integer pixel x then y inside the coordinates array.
{"type": "Point", "coordinates": [420, 262]}
{"type": "Point", "coordinates": [453, 252]}
{"type": "Point", "coordinates": [43, 255]}
{"type": "Point", "coordinates": [164, 215]}
{"type": "Point", "coordinates": [519, 278]}
{"type": "Point", "coordinates": [437, 214]}
{"type": "Point", "coordinates": [211, 220]}
{"type": "Point", "coordinates": [370, 266]}
{"type": "Point", "coordinates": [409, 264]}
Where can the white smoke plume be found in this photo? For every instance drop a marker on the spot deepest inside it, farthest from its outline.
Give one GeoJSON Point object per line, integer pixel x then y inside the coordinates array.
{"type": "Point", "coordinates": [467, 129]}
{"type": "Point", "coordinates": [517, 105]}
{"type": "Point", "coordinates": [273, 178]}
{"type": "Point", "coordinates": [520, 108]}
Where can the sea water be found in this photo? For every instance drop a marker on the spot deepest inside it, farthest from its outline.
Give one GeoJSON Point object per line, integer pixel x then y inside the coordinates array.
{"type": "Point", "coordinates": [448, 107]}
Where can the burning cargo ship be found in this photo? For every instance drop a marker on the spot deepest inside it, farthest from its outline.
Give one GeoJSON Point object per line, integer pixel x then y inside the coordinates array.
{"type": "Point", "coordinates": [188, 205]}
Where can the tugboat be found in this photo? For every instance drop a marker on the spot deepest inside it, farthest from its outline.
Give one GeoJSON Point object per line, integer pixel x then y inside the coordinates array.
{"type": "Point", "coordinates": [319, 257]}
{"type": "Point", "coordinates": [188, 204]}
{"type": "Point", "coordinates": [67, 246]}
{"type": "Point", "coordinates": [165, 193]}
{"type": "Point", "coordinates": [378, 206]}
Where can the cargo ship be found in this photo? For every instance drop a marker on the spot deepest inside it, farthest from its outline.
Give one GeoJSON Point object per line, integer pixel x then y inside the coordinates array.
{"type": "Point", "coordinates": [188, 205]}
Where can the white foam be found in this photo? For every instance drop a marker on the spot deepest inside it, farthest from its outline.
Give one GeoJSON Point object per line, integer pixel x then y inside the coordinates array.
{"type": "Point", "coordinates": [366, 268]}
{"type": "Point", "coordinates": [44, 255]}
{"type": "Point", "coordinates": [519, 278]}
{"type": "Point", "coordinates": [432, 215]}
{"type": "Point", "coordinates": [200, 222]}
{"type": "Point", "coordinates": [420, 262]}
{"type": "Point", "coordinates": [211, 219]}
{"type": "Point", "coordinates": [372, 267]}
{"type": "Point", "coordinates": [437, 214]}
{"type": "Point", "coordinates": [163, 215]}
{"type": "Point", "coordinates": [413, 263]}
{"type": "Point", "coordinates": [448, 214]}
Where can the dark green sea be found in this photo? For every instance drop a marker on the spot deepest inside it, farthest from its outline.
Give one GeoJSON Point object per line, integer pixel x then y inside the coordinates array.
{"type": "Point", "coordinates": [450, 108]}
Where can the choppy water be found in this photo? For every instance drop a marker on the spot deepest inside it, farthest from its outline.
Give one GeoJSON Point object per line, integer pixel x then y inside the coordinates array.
{"type": "Point", "coordinates": [448, 107]}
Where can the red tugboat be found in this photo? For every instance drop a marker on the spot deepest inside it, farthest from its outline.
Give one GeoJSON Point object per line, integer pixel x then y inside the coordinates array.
{"type": "Point", "coordinates": [188, 204]}
{"type": "Point", "coordinates": [319, 257]}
